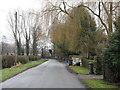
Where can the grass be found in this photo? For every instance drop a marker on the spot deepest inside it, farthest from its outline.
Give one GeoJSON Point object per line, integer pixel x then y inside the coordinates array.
{"type": "Point", "coordinates": [67, 63]}
{"type": "Point", "coordinates": [9, 72]}
{"type": "Point", "coordinates": [98, 83]}
{"type": "Point", "coordinates": [79, 69]}
{"type": "Point", "coordinates": [92, 83]}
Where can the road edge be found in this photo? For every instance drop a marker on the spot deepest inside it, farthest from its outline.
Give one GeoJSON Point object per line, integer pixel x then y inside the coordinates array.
{"type": "Point", "coordinates": [75, 73]}
{"type": "Point", "coordinates": [22, 71]}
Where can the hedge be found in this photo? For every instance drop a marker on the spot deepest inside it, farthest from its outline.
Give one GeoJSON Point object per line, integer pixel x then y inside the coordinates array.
{"type": "Point", "coordinates": [22, 59]}
{"type": "Point", "coordinates": [111, 58]}
{"type": "Point", "coordinates": [33, 58]}
{"type": "Point", "coordinates": [8, 61]}
{"type": "Point", "coordinates": [97, 64]}
{"type": "Point", "coordinates": [85, 62]}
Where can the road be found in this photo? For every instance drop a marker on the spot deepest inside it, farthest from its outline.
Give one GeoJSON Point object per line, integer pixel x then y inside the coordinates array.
{"type": "Point", "coordinates": [51, 74]}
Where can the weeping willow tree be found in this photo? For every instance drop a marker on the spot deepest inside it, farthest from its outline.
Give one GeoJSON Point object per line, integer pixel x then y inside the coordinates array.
{"type": "Point", "coordinates": [74, 34]}
{"type": "Point", "coordinates": [59, 39]}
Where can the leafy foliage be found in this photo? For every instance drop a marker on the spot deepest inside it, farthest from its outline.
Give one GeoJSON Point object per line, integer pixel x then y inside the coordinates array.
{"type": "Point", "coordinates": [72, 35]}
{"type": "Point", "coordinates": [111, 55]}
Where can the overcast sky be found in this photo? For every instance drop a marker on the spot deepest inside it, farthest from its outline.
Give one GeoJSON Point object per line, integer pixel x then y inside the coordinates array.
{"type": "Point", "coordinates": [7, 6]}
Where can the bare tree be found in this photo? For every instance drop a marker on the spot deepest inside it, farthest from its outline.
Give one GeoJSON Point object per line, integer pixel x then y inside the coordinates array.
{"type": "Point", "coordinates": [53, 11]}
{"type": "Point", "coordinates": [14, 23]}
{"type": "Point", "coordinates": [36, 31]}
{"type": "Point", "coordinates": [26, 29]}
{"type": "Point", "coordinates": [108, 9]}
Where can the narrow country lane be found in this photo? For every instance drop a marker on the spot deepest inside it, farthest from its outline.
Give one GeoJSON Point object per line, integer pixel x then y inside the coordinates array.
{"type": "Point", "coordinates": [51, 74]}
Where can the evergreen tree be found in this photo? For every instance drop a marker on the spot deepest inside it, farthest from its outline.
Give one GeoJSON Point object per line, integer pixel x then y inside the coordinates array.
{"type": "Point", "coordinates": [111, 55]}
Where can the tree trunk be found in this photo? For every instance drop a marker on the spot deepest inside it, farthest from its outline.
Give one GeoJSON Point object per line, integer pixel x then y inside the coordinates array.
{"type": "Point", "coordinates": [110, 19]}
{"type": "Point", "coordinates": [27, 47]}
{"type": "Point", "coordinates": [34, 47]}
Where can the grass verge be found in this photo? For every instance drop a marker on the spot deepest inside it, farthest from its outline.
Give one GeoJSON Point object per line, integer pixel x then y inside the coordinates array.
{"type": "Point", "coordinates": [98, 83]}
{"type": "Point", "coordinates": [79, 69]}
{"type": "Point", "coordinates": [92, 83]}
{"type": "Point", "coordinates": [9, 72]}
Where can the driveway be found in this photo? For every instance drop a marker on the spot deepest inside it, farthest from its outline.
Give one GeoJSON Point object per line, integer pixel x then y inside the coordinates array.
{"type": "Point", "coordinates": [51, 74]}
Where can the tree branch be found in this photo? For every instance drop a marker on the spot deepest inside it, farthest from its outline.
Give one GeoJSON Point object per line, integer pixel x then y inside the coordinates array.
{"type": "Point", "coordinates": [96, 15]}
{"type": "Point", "coordinates": [105, 8]}
{"type": "Point", "coordinates": [118, 5]}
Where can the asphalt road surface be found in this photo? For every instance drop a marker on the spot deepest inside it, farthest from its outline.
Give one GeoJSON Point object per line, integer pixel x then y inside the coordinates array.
{"type": "Point", "coordinates": [51, 74]}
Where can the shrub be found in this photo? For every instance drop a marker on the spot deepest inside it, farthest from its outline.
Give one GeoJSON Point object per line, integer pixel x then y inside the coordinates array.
{"type": "Point", "coordinates": [85, 62]}
{"type": "Point", "coordinates": [111, 57]}
{"type": "Point", "coordinates": [33, 58]}
{"type": "Point", "coordinates": [98, 65]}
{"type": "Point", "coordinates": [8, 61]}
{"type": "Point", "coordinates": [22, 59]}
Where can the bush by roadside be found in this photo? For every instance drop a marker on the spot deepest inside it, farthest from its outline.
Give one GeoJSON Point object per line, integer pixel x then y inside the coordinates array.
{"type": "Point", "coordinates": [85, 62]}
{"type": "Point", "coordinates": [8, 61]}
{"type": "Point", "coordinates": [33, 58]}
{"type": "Point", "coordinates": [11, 60]}
{"type": "Point", "coordinates": [111, 58]}
{"type": "Point", "coordinates": [97, 64]}
{"type": "Point", "coordinates": [22, 59]}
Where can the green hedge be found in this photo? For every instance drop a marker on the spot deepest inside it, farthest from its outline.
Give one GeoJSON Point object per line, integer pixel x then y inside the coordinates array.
{"type": "Point", "coordinates": [33, 58]}
{"type": "Point", "coordinates": [97, 64]}
{"type": "Point", "coordinates": [22, 59]}
{"type": "Point", "coordinates": [8, 61]}
{"type": "Point", "coordinates": [111, 57]}
{"type": "Point", "coordinates": [85, 62]}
